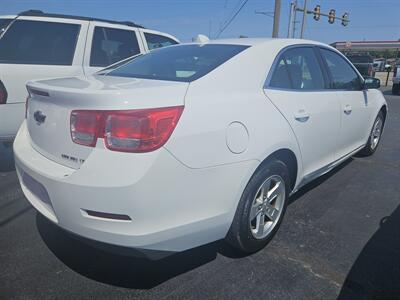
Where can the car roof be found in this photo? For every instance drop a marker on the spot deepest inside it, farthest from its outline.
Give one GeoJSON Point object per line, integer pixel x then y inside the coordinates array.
{"type": "Point", "coordinates": [278, 42]}
{"type": "Point", "coordinates": [39, 13]}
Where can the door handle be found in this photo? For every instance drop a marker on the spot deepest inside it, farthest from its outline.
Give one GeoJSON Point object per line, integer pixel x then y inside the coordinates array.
{"type": "Point", "coordinates": [347, 109]}
{"type": "Point", "coordinates": [302, 116]}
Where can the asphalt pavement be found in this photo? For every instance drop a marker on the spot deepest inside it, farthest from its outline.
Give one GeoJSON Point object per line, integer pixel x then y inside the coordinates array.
{"type": "Point", "coordinates": [340, 239]}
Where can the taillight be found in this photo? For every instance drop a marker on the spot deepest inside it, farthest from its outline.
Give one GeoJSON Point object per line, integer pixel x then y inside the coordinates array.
{"type": "Point", "coordinates": [3, 94]}
{"type": "Point", "coordinates": [128, 130]}
{"type": "Point", "coordinates": [85, 126]}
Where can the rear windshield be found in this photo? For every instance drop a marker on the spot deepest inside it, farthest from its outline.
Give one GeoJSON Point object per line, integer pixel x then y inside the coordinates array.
{"type": "Point", "coordinates": [37, 42]}
{"type": "Point", "coordinates": [360, 59]}
{"type": "Point", "coordinates": [184, 63]}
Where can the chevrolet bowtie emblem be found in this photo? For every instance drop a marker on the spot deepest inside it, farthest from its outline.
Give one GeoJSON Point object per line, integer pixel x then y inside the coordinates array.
{"type": "Point", "coordinates": [39, 117]}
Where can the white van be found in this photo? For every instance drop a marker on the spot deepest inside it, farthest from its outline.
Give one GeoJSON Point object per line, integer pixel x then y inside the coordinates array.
{"type": "Point", "coordinates": [37, 45]}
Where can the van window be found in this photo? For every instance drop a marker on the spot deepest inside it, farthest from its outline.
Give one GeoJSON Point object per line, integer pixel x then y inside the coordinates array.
{"type": "Point", "coordinates": [37, 42]}
{"type": "Point", "coordinates": [155, 41]}
{"type": "Point", "coordinates": [111, 45]}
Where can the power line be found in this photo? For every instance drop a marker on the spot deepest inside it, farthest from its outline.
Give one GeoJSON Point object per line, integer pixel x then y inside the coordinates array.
{"type": "Point", "coordinates": [231, 19]}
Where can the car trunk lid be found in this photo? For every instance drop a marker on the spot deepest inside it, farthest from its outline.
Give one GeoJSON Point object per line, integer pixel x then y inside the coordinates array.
{"type": "Point", "coordinates": [52, 101]}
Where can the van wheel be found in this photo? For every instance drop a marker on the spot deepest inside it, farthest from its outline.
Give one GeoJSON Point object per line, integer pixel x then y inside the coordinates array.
{"type": "Point", "coordinates": [375, 136]}
{"type": "Point", "coordinates": [261, 208]}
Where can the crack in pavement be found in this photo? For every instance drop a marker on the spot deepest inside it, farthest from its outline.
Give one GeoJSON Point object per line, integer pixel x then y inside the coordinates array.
{"type": "Point", "coordinates": [309, 268]}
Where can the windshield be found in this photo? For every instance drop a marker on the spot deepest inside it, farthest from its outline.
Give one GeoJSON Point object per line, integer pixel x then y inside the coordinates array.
{"type": "Point", "coordinates": [184, 63]}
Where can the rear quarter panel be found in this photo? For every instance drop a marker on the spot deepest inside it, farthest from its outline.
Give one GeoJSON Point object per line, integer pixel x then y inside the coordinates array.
{"type": "Point", "coordinates": [231, 94]}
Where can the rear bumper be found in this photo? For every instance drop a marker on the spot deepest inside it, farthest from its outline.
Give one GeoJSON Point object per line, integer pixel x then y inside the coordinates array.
{"type": "Point", "coordinates": [171, 207]}
{"type": "Point", "coordinates": [11, 117]}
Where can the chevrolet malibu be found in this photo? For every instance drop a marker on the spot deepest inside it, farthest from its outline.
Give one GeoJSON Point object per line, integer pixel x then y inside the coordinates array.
{"type": "Point", "coordinates": [193, 143]}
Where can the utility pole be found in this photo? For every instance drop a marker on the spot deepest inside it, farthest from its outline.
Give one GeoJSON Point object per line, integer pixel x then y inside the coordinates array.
{"type": "Point", "coordinates": [277, 14]}
{"type": "Point", "coordinates": [303, 24]}
{"type": "Point", "coordinates": [294, 19]}
{"type": "Point", "coordinates": [291, 13]}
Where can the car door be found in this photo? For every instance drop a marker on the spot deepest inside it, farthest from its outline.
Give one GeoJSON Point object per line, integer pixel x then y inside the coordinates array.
{"type": "Point", "coordinates": [35, 48]}
{"type": "Point", "coordinates": [110, 43]}
{"type": "Point", "coordinates": [355, 109]}
{"type": "Point", "coordinates": [297, 87]}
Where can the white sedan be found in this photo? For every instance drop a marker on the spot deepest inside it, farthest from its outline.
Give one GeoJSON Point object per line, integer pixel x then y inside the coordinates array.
{"type": "Point", "coordinates": [193, 143]}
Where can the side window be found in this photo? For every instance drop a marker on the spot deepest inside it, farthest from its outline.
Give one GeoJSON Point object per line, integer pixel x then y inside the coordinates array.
{"type": "Point", "coordinates": [41, 43]}
{"type": "Point", "coordinates": [280, 77]}
{"type": "Point", "coordinates": [298, 68]}
{"type": "Point", "coordinates": [155, 41]}
{"type": "Point", "coordinates": [343, 75]}
{"type": "Point", "coordinates": [111, 45]}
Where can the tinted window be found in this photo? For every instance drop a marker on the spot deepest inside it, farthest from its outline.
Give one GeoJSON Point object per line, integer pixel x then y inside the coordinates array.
{"type": "Point", "coordinates": [360, 59]}
{"type": "Point", "coordinates": [155, 41]}
{"type": "Point", "coordinates": [280, 77]}
{"type": "Point", "coordinates": [3, 24]}
{"type": "Point", "coordinates": [343, 75]}
{"type": "Point", "coordinates": [178, 63]}
{"type": "Point", "coordinates": [112, 45]}
{"type": "Point", "coordinates": [34, 42]}
{"type": "Point", "coordinates": [298, 68]}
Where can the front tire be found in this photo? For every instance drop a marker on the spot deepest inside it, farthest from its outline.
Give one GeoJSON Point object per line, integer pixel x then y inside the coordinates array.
{"type": "Point", "coordinates": [261, 208]}
{"type": "Point", "coordinates": [375, 136]}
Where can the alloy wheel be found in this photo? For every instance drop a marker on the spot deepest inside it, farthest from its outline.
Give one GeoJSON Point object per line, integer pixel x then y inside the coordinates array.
{"type": "Point", "coordinates": [376, 133]}
{"type": "Point", "coordinates": [267, 206]}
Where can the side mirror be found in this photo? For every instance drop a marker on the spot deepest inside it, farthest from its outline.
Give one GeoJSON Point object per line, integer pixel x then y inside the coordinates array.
{"type": "Point", "coordinates": [372, 83]}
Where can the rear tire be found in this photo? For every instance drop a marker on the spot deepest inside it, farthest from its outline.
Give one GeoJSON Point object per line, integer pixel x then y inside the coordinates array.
{"type": "Point", "coordinates": [261, 208]}
{"type": "Point", "coordinates": [375, 136]}
{"type": "Point", "coordinates": [396, 89]}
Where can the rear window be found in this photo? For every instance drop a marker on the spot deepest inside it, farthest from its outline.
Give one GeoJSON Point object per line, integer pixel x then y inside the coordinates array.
{"type": "Point", "coordinates": [183, 63]}
{"type": "Point", "coordinates": [41, 43]}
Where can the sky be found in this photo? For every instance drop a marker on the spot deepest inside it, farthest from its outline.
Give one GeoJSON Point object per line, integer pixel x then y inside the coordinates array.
{"type": "Point", "coordinates": [185, 19]}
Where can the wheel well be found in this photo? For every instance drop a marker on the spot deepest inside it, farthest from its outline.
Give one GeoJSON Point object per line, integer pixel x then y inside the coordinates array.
{"type": "Point", "coordinates": [384, 111]}
{"type": "Point", "coordinates": [290, 160]}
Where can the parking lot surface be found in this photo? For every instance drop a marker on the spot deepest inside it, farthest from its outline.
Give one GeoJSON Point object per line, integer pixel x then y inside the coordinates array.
{"type": "Point", "coordinates": [340, 239]}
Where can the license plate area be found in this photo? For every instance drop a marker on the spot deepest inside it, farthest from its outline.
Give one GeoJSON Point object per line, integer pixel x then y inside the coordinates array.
{"type": "Point", "coordinates": [37, 189]}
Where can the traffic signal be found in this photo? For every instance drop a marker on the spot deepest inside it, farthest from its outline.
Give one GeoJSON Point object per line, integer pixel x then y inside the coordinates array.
{"type": "Point", "coordinates": [345, 19]}
{"type": "Point", "coordinates": [317, 12]}
{"type": "Point", "coordinates": [331, 16]}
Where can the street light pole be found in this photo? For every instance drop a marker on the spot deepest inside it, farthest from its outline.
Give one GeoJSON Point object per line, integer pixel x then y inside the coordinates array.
{"type": "Point", "coordinates": [277, 14]}
{"type": "Point", "coordinates": [303, 24]}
